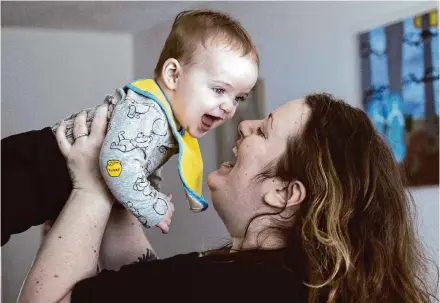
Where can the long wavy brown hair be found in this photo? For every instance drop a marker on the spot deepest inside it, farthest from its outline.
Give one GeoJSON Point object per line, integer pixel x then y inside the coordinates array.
{"type": "Point", "coordinates": [353, 238]}
{"type": "Point", "coordinates": [355, 231]}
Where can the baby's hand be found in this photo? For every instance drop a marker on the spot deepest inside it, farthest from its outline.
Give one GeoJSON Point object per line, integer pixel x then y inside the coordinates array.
{"type": "Point", "coordinates": [164, 225]}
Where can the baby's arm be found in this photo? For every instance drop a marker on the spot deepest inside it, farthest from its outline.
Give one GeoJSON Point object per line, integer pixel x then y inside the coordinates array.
{"type": "Point", "coordinates": [130, 143]}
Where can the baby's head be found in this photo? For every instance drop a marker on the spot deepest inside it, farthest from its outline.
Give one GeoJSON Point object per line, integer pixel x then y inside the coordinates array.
{"type": "Point", "coordinates": [207, 67]}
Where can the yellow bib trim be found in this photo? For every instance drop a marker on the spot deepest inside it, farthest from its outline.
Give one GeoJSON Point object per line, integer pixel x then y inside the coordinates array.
{"type": "Point", "coordinates": [190, 162]}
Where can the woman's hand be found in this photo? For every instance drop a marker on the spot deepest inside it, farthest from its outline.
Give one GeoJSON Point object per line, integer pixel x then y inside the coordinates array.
{"type": "Point", "coordinates": [70, 250]}
{"type": "Point", "coordinates": [82, 156]}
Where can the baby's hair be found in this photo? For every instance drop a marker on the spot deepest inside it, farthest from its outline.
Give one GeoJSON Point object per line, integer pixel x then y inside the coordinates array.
{"type": "Point", "coordinates": [194, 28]}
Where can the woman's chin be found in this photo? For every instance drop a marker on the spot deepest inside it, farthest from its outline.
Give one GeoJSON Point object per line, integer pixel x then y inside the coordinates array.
{"type": "Point", "coordinates": [211, 181]}
{"type": "Point", "coordinates": [214, 178]}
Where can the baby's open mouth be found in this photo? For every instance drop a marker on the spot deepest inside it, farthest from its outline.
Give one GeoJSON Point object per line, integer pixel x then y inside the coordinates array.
{"type": "Point", "coordinates": [208, 121]}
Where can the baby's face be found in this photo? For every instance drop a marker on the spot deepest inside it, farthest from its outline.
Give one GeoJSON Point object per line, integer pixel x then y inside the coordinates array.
{"type": "Point", "coordinates": [210, 89]}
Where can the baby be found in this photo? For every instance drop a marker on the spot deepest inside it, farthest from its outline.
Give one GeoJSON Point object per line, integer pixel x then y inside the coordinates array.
{"type": "Point", "coordinates": [207, 67]}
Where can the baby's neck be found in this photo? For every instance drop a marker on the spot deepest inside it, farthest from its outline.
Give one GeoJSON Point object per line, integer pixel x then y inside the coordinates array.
{"type": "Point", "coordinates": [169, 98]}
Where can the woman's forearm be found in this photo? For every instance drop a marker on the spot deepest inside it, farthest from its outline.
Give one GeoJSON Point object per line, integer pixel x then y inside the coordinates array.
{"type": "Point", "coordinates": [70, 250]}
{"type": "Point", "coordinates": [124, 241]}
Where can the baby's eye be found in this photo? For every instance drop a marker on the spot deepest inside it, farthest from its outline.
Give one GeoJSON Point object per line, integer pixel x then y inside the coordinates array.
{"type": "Point", "coordinates": [219, 91]}
{"type": "Point", "coordinates": [240, 99]}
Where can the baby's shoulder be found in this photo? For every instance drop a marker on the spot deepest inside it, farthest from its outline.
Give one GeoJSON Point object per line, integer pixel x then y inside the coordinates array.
{"type": "Point", "coordinates": [140, 105]}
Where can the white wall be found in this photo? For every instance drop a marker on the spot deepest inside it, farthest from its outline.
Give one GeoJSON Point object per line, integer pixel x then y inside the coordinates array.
{"type": "Point", "coordinates": [303, 47]}
{"type": "Point", "coordinates": [47, 75]}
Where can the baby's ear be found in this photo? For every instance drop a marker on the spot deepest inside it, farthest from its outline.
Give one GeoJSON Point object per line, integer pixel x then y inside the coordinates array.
{"type": "Point", "coordinates": [170, 73]}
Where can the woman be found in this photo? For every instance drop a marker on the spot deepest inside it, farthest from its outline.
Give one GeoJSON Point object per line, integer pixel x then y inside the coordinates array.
{"type": "Point", "coordinates": [314, 204]}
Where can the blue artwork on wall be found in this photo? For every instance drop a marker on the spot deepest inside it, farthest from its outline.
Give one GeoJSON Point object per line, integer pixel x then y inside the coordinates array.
{"type": "Point", "coordinates": [400, 83]}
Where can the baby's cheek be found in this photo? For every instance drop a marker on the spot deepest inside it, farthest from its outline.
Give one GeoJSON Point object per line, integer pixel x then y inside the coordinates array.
{"type": "Point", "coordinates": [206, 103]}
{"type": "Point", "coordinates": [231, 114]}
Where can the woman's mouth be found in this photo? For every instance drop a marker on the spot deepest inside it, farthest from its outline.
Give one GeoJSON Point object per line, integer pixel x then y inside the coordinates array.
{"type": "Point", "coordinates": [226, 168]}
{"type": "Point", "coordinates": [228, 164]}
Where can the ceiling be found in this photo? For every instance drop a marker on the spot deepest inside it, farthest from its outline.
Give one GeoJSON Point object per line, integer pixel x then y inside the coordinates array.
{"type": "Point", "coordinates": [115, 16]}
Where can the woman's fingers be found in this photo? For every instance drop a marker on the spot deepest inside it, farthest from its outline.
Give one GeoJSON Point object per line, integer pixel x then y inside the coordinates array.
{"type": "Point", "coordinates": [63, 143]}
{"type": "Point", "coordinates": [99, 124]}
{"type": "Point", "coordinates": [80, 130]}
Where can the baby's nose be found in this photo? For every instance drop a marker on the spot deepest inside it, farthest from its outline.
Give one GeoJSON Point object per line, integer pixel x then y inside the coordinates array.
{"type": "Point", "coordinates": [227, 107]}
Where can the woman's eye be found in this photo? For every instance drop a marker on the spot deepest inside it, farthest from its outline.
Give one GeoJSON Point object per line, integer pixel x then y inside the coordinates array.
{"type": "Point", "coordinates": [219, 91]}
{"type": "Point", "coordinates": [260, 132]}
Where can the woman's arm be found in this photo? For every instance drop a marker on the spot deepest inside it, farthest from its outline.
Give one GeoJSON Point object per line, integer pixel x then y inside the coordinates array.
{"type": "Point", "coordinates": [124, 241]}
{"type": "Point", "coordinates": [70, 251]}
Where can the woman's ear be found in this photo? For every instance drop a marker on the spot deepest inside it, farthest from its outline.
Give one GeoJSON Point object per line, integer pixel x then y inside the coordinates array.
{"type": "Point", "coordinates": [284, 195]}
{"type": "Point", "coordinates": [170, 73]}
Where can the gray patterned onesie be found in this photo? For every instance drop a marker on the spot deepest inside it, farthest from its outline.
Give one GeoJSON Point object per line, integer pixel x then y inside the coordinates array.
{"type": "Point", "coordinates": [138, 142]}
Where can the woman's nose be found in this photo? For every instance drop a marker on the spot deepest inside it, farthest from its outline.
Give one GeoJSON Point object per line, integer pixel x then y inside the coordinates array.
{"type": "Point", "coordinates": [242, 129]}
{"type": "Point", "coordinates": [246, 127]}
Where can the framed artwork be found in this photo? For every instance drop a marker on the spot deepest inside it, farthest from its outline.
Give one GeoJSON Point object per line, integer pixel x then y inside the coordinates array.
{"type": "Point", "coordinates": [227, 134]}
{"type": "Point", "coordinates": [400, 86]}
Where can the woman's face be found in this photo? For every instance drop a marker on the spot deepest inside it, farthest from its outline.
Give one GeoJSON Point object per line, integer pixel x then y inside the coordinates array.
{"type": "Point", "coordinates": [236, 195]}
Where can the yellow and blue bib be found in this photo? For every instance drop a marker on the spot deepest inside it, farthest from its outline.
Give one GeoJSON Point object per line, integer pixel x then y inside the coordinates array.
{"type": "Point", "coordinates": [190, 162]}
